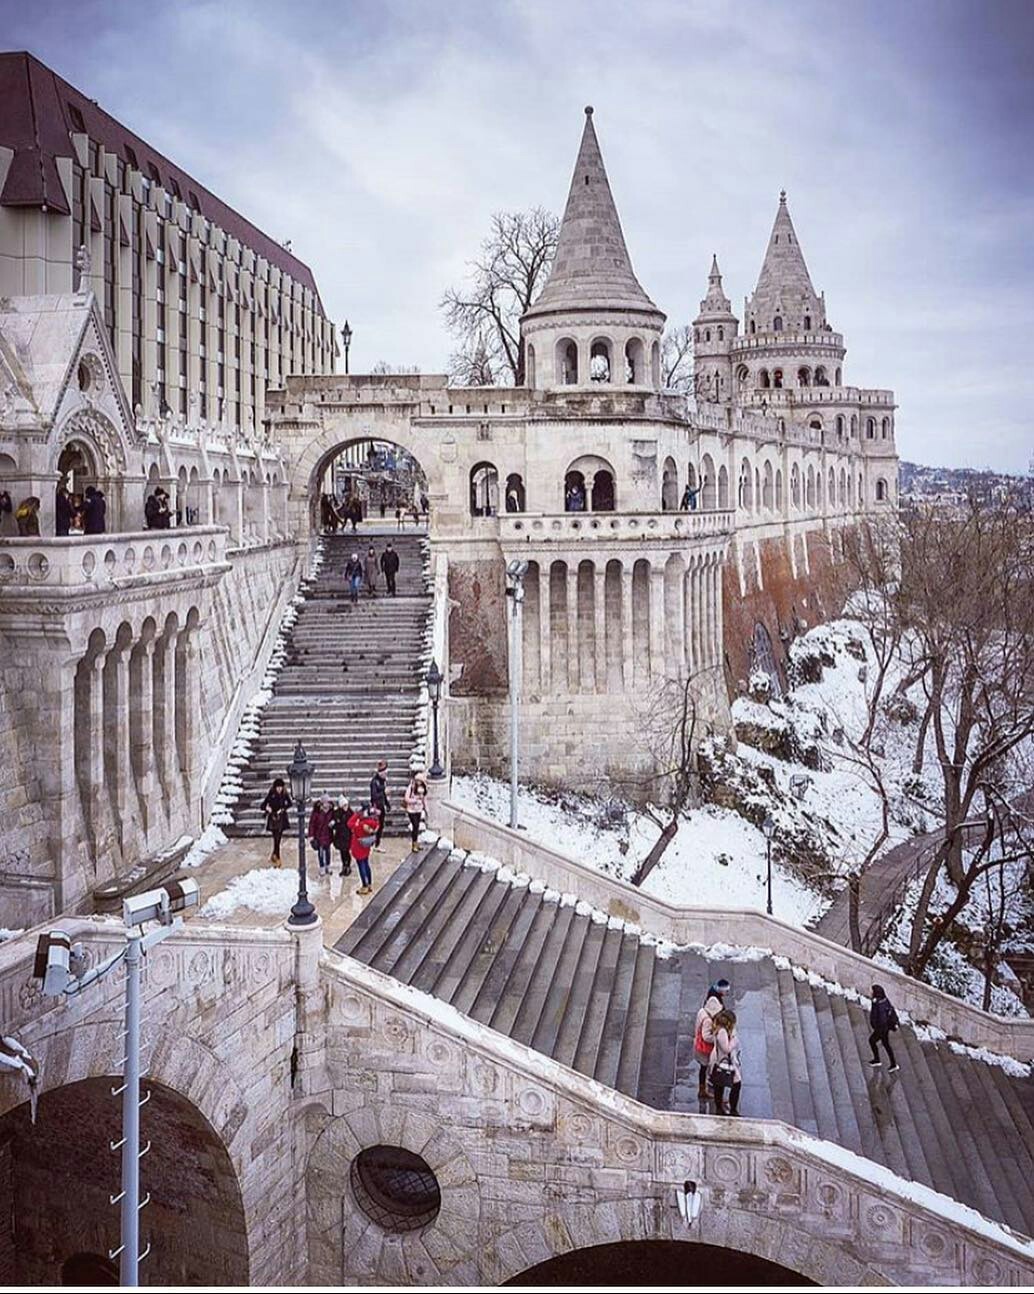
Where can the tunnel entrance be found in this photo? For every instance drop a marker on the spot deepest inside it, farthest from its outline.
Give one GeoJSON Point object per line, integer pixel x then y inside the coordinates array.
{"type": "Point", "coordinates": [656, 1263]}
{"type": "Point", "coordinates": [367, 480]}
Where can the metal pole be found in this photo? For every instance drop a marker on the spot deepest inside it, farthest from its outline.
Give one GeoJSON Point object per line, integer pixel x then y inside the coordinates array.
{"type": "Point", "coordinates": [436, 766]}
{"type": "Point", "coordinates": [515, 670]}
{"type": "Point", "coordinates": [303, 913]}
{"type": "Point", "coordinates": [768, 851]}
{"type": "Point", "coordinates": [130, 1256]}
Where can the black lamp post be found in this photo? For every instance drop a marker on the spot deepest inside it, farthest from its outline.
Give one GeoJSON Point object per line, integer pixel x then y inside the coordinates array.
{"type": "Point", "coordinates": [434, 684]}
{"type": "Point", "coordinates": [768, 827]}
{"type": "Point", "coordinates": [346, 337]}
{"type": "Point", "coordinates": [300, 772]}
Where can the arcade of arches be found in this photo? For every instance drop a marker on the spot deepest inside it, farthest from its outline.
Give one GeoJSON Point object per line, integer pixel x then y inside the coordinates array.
{"type": "Point", "coordinates": [656, 1263]}
{"type": "Point", "coordinates": [57, 1178]}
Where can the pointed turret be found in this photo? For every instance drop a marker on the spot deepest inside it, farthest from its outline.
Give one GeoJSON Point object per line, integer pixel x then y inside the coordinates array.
{"type": "Point", "coordinates": [785, 298]}
{"type": "Point", "coordinates": [714, 330]}
{"type": "Point", "coordinates": [592, 269]}
{"type": "Point", "coordinates": [715, 304]}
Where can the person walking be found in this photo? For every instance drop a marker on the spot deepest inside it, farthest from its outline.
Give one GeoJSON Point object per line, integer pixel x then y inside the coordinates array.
{"type": "Point", "coordinates": [379, 802]}
{"type": "Point", "coordinates": [725, 1063]}
{"type": "Point", "coordinates": [415, 803]}
{"type": "Point", "coordinates": [321, 832]}
{"type": "Point", "coordinates": [390, 567]}
{"type": "Point", "coordinates": [276, 807]}
{"type": "Point", "coordinates": [95, 507]}
{"type": "Point", "coordinates": [354, 576]}
{"type": "Point", "coordinates": [884, 1020]}
{"type": "Point", "coordinates": [363, 825]}
{"type": "Point", "coordinates": [370, 572]}
{"type": "Point", "coordinates": [703, 1037]}
{"type": "Point", "coordinates": [341, 833]}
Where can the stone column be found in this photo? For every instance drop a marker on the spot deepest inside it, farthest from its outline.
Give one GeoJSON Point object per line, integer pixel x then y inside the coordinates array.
{"type": "Point", "coordinates": [143, 723]}
{"type": "Point", "coordinates": [119, 726]}
{"type": "Point", "coordinates": [165, 708]}
{"type": "Point", "coordinates": [699, 613]}
{"type": "Point", "coordinates": [627, 639]}
{"type": "Point", "coordinates": [95, 742]}
{"type": "Point", "coordinates": [545, 630]}
{"type": "Point", "coordinates": [656, 587]}
{"type": "Point", "coordinates": [599, 606]}
{"type": "Point", "coordinates": [674, 629]}
{"type": "Point", "coordinates": [716, 612]}
{"type": "Point", "coordinates": [265, 511]}
{"type": "Point", "coordinates": [188, 702]}
{"type": "Point", "coordinates": [572, 628]}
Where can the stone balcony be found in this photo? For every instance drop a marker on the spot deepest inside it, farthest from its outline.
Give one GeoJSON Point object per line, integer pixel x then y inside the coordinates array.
{"type": "Point", "coordinates": [802, 397]}
{"type": "Point", "coordinates": [109, 562]}
{"type": "Point", "coordinates": [768, 341]}
{"type": "Point", "coordinates": [621, 527]}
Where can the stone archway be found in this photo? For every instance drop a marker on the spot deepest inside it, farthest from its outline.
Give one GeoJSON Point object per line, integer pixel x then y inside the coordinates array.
{"type": "Point", "coordinates": [57, 1177]}
{"type": "Point", "coordinates": [654, 1263]}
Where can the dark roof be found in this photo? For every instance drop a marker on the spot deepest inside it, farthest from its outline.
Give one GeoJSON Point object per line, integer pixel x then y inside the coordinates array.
{"type": "Point", "coordinates": [39, 111]}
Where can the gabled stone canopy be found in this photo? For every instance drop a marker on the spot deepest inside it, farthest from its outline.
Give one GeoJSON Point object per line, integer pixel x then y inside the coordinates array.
{"type": "Point", "coordinates": [784, 286]}
{"type": "Point", "coordinates": [592, 270]}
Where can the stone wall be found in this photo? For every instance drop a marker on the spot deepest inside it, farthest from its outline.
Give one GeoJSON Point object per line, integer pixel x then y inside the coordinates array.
{"type": "Point", "coordinates": [477, 628]}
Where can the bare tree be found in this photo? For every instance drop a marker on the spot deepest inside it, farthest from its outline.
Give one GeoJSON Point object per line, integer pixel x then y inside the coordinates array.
{"type": "Point", "coordinates": [677, 358]}
{"type": "Point", "coordinates": [505, 277]}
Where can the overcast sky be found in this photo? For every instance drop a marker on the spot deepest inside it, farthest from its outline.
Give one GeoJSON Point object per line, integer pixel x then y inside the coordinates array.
{"type": "Point", "coordinates": [381, 136]}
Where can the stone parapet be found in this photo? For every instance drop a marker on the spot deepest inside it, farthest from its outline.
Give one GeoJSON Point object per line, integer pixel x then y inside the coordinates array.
{"type": "Point", "coordinates": [108, 561]}
{"type": "Point", "coordinates": [607, 527]}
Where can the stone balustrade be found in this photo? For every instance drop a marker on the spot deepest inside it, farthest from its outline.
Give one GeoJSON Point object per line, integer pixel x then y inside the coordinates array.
{"type": "Point", "coordinates": [596, 527]}
{"type": "Point", "coordinates": [768, 341]}
{"type": "Point", "coordinates": [105, 560]}
{"type": "Point", "coordinates": [803, 397]}
{"type": "Point", "coordinates": [742, 928]}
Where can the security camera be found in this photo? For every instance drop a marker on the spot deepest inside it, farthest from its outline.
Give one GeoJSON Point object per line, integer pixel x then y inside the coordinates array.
{"type": "Point", "coordinates": [57, 961]}
{"type": "Point", "coordinates": [159, 905]}
{"type": "Point", "coordinates": [517, 569]}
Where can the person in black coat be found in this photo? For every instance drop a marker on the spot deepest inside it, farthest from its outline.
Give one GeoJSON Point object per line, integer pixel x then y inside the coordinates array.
{"type": "Point", "coordinates": [341, 832]}
{"type": "Point", "coordinates": [95, 508]}
{"type": "Point", "coordinates": [354, 576]}
{"type": "Point", "coordinates": [379, 804]}
{"type": "Point", "coordinates": [276, 806]}
{"type": "Point", "coordinates": [62, 511]}
{"type": "Point", "coordinates": [883, 1019]}
{"type": "Point", "coordinates": [390, 567]}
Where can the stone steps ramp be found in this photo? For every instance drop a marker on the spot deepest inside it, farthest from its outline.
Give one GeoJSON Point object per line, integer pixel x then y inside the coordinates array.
{"type": "Point", "coordinates": [614, 1006]}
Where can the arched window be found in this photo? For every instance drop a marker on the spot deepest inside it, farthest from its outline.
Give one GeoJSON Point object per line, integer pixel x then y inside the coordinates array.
{"type": "Point", "coordinates": [815, 424]}
{"type": "Point", "coordinates": [515, 492]}
{"type": "Point", "coordinates": [721, 334]}
{"type": "Point", "coordinates": [669, 486]}
{"type": "Point", "coordinates": [854, 426]}
{"type": "Point", "coordinates": [885, 428]}
{"type": "Point", "coordinates": [795, 486]}
{"type": "Point", "coordinates": [599, 360]}
{"type": "Point", "coordinates": [529, 367]}
{"type": "Point", "coordinates": [840, 426]}
{"type": "Point", "coordinates": [708, 484]}
{"type": "Point", "coordinates": [635, 362]}
{"type": "Point", "coordinates": [777, 379]}
{"type": "Point", "coordinates": [566, 362]}
{"type": "Point", "coordinates": [777, 323]}
{"type": "Point", "coordinates": [809, 494]}
{"type": "Point", "coordinates": [753, 328]}
{"type": "Point", "coordinates": [820, 377]}
{"type": "Point", "coordinates": [779, 489]}
{"type": "Point", "coordinates": [742, 373]}
{"type": "Point", "coordinates": [707, 334]}
{"type": "Point", "coordinates": [832, 498]}
{"type": "Point", "coordinates": [575, 496]}
{"type": "Point", "coordinates": [603, 491]}
{"type": "Point", "coordinates": [763, 380]}
{"type": "Point", "coordinates": [589, 485]}
{"type": "Point", "coordinates": [484, 490]}
{"type": "Point", "coordinates": [767, 487]}
{"type": "Point", "coordinates": [804, 377]}
{"type": "Point", "coordinates": [838, 377]}
{"type": "Point", "coordinates": [881, 491]}
{"type": "Point", "coordinates": [655, 363]}
{"type": "Point", "coordinates": [745, 488]}
{"type": "Point", "coordinates": [843, 488]}
{"type": "Point", "coordinates": [723, 487]}
{"type": "Point", "coordinates": [807, 323]}
{"type": "Point", "coordinates": [870, 428]}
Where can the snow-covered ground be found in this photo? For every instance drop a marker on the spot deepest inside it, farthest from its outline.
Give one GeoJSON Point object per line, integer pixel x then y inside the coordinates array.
{"type": "Point", "coordinates": [717, 859]}
{"type": "Point", "coordinates": [268, 890]}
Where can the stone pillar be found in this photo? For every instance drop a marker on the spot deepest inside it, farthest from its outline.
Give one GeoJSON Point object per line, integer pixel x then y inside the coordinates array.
{"type": "Point", "coordinates": [678, 638]}
{"type": "Point", "coordinates": [95, 744]}
{"type": "Point", "coordinates": [310, 1027]}
{"type": "Point", "coordinates": [118, 725]}
{"type": "Point", "coordinates": [656, 587]}
{"type": "Point", "coordinates": [265, 511]}
{"type": "Point", "coordinates": [188, 703]}
{"type": "Point", "coordinates": [716, 613]}
{"type": "Point", "coordinates": [599, 606]}
{"type": "Point", "coordinates": [545, 631]}
{"type": "Point", "coordinates": [142, 724]}
{"type": "Point", "coordinates": [165, 708]}
{"type": "Point", "coordinates": [572, 628]}
{"type": "Point", "coordinates": [627, 639]}
{"type": "Point", "coordinates": [696, 577]}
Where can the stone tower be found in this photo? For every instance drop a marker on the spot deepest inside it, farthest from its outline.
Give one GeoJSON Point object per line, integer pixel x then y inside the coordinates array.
{"type": "Point", "coordinates": [592, 325]}
{"type": "Point", "coordinates": [714, 329]}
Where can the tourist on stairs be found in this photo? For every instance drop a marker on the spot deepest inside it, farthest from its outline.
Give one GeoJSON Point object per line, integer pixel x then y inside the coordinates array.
{"type": "Point", "coordinates": [703, 1041]}
{"type": "Point", "coordinates": [370, 572]}
{"type": "Point", "coordinates": [390, 567]}
{"type": "Point", "coordinates": [341, 833]}
{"type": "Point", "coordinates": [321, 832]}
{"type": "Point", "coordinates": [354, 576]}
{"type": "Point", "coordinates": [379, 802]}
{"type": "Point", "coordinates": [276, 807]}
{"type": "Point", "coordinates": [363, 825]}
{"type": "Point", "coordinates": [883, 1019]}
{"type": "Point", "coordinates": [725, 1063]}
{"type": "Point", "coordinates": [415, 802]}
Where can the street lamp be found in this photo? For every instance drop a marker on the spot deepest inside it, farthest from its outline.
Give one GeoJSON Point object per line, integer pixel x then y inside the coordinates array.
{"type": "Point", "coordinates": [768, 827]}
{"type": "Point", "coordinates": [300, 772]}
{"type": "Point", "coordinates": [61, 967]}
{"type": "Point", "coordinates": [346, 337]}
{"type": "Point", "coordinates": [515, 573]}
{"type": "Point", "coordinates": [434, 687]}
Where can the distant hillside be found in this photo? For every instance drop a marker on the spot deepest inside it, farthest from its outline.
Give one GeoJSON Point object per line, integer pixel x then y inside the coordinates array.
{"type": "Point", "coordinates": [916, 480]}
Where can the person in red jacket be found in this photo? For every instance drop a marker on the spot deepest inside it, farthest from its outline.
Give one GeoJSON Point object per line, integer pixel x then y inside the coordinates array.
{"type": "Point", "coordinates": [363, 826]}
{"type": "Point", "coordinates": [321, 832]}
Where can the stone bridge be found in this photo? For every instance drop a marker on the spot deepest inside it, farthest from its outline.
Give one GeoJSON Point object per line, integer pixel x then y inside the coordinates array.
{"type": "Point", "coordinates": [275, 1061]}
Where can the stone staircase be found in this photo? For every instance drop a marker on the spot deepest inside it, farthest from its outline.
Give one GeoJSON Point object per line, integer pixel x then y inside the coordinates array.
{"type": "Point", "coordinates": [621, 1009]}
{"type": "Point", "coordinates": [349, 686]}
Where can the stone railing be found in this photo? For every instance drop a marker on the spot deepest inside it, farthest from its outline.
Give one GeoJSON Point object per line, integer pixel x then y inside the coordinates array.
{"type": "Point", "coordinates": [769, 340]}
{"type": "Point", "coordinates": [740, 927]}
{"type": "Point", "coordinates": [802, 397]}
{"type": "Point", "coordinates": [847, 1220]}
{"type": "Point", "coordinates": [622, 527]}
{"type": "Point", "coordinates": [103, 561]}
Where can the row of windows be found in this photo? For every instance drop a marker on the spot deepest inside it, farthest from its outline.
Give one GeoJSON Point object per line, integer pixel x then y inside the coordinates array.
{"type": "Point", "coordinates": [775, 380]}
{"type": "Point", "coordinates": [601, 362]}
{"type": "Point", "coordinates": [587, 488]}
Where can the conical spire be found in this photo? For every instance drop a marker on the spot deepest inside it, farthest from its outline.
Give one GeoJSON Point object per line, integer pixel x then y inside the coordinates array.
{"type": "Point", "coordinates": [784, 284]}
{"type": "Point", "coordinates": [715, 303]}
{"type": "Point", "coordinates": [592, 269]}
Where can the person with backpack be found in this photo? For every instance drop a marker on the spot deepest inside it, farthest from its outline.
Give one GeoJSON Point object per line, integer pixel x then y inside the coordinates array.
{"type": "Point", "coordinates": [703, 1039]}
{"type": "Point", "coordinates": [363, 826]}
{"type": "Point", "coordinates": [354, 576]}
{"type": "Point", "coordinates": [725, 1063]}
{"type": "Point", "coordinates": [884, 1020]}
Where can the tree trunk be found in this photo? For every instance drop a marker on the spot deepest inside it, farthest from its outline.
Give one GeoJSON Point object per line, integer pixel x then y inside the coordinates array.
{"type": "Point", "coordinates": [654, 856]}
{"type": "Point", "coordinates": [854, 887]}
{"type": "Point", "coordinates": [917, 762]}
{"type": "Point", "coordinates": [915, 942]}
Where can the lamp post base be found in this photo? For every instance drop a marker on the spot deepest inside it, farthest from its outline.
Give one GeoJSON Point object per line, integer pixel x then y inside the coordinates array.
{"type": "Point", "coordinates": [302, 914]}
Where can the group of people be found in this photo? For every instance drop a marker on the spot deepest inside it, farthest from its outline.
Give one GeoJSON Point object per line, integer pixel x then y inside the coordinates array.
{"type": "Point", "coordinates": [338, 515]}
{"type": "Point", "coordinates": [364, 573]}
{"type": "Point", "coordinates": [80, 514]}
{"type": "Point", "coordinates": [24, 518]}
{"type": "Point", "coordinates": [354, 833]}
{"type": "Point", "coordinates": [717, 1044]}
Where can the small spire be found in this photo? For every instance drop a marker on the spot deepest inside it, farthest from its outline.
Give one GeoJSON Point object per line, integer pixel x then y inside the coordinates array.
{"type": "Point", "coordinates": [588, 110]}
{"type": "Point", "coordinates": [715, 271]}
{"type": "Point", "coordinates": [715, 304]}
{"type": "Point", "coordinates": [782, 196]}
